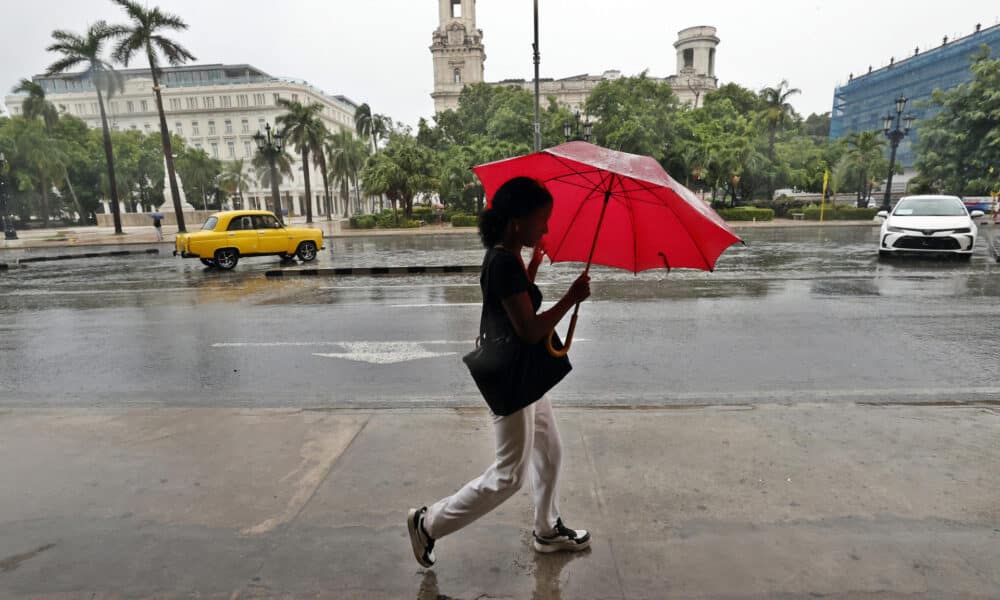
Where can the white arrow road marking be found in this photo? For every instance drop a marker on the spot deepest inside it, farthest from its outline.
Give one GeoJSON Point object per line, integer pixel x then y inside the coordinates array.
{"type": "Point", "coordinates": [384, 353]}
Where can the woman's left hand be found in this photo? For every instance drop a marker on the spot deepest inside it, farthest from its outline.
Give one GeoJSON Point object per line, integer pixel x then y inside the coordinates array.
{"type": "Point", "coordinates": [536, 261]}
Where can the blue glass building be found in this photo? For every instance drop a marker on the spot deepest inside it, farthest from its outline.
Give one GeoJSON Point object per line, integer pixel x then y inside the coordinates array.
{"type": "Point", "coordinates": [863, 103]}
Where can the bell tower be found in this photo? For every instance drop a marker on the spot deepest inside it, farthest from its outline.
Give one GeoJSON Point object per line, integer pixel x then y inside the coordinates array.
{"type": "Point", "coordinates": [457, 51]}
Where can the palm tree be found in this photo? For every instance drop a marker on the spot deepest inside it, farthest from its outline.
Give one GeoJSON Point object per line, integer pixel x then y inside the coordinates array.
{"type": "Point", "coordinates": [85, 50]}
{"type": "Point", "coordinates": [38, 106]}
{"type": "Point", "coordinates": [262, 168]}
{"type": "Point", "coordinates": [42, 156]}
{"type": "Point", "coordinates": [145, 35]}
{"type": "Point", "coordinates": [863, 154]}
{"type": "Point", "coordinates": [347, 156]}
{"type": "Point", "coordinates": [236, 178]}
{"type": "Point", "coordinates": [776, 110]}
{"type": "Point", "coordinates": [200, 171]}
{"type": "Point", "coordinates": [302, 127]}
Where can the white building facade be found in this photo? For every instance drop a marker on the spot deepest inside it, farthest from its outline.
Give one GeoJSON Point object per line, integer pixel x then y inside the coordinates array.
{"type": "Point", "coordinates": [459, 55]}
{"type": "Point", "coordinates": [217, 108]}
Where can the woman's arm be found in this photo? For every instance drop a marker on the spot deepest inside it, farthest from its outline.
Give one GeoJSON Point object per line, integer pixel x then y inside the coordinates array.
{"type": "Point", "coordinates": [531, 327]}
{"type": "Point", "coordinates": [536, 260]}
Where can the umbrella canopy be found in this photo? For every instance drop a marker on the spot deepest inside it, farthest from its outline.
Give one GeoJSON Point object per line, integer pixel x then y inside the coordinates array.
{"type": "Point", "coordinates": [650, 220]}
{"type": "Point", "coordinates": [156, 215]}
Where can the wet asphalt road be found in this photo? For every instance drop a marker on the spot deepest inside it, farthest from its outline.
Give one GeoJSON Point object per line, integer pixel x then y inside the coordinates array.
{"type": "Point", "coordinates": [801, 315]}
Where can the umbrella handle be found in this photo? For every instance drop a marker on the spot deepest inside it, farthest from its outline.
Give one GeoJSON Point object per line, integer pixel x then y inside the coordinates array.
{"type": "Point", "coordinates": [569, 338]}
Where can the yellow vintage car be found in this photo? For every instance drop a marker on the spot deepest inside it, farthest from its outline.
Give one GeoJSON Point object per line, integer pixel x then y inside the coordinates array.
{"type": "Point", "coordinates": [227, 236]}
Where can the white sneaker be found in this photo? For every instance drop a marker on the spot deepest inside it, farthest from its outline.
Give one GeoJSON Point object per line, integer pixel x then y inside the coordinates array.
{"type": "Point", "coordinates": [423, 544]}
{"type": "Point", "coordinates": [563, 539]}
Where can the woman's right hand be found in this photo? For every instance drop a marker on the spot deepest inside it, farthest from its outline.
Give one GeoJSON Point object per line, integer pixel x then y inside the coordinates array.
{"type": "Point", "coordinates": [580, 290]}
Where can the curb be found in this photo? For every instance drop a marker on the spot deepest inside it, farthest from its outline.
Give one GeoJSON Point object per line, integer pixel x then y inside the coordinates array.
{"type": "Point", "coordinates": [86, 255]}
{"type": "Point", "coordinates": [328, 272]}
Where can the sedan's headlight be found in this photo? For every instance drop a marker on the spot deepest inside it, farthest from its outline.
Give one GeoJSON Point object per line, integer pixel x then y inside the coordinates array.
{"type": "Point", "coordinates": [891, 229]}
{"type": "Point", "coordinates": [963, 230]}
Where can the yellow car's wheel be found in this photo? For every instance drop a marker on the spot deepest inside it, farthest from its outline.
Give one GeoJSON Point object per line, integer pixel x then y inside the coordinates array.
{"type": "Point", "coordinates": [208, 262]}
{"type": "Point", "coordinates": [306, 251]}
{"type": "Point", "coordinates": [226, 258]}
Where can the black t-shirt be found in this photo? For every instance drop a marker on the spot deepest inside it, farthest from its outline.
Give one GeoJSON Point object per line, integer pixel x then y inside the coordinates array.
{"type": "Point", "coordinates": [507, 278]}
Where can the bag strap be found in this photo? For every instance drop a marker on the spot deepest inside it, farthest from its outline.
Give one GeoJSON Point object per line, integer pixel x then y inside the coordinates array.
{"type": "Point", "coordinates": [486, 296]}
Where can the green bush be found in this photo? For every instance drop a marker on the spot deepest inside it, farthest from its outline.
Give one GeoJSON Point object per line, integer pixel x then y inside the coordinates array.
{"type": "Point", "coordinates": [464, 221]}
{"type": "Point", "coordinates": [363, 222]}
{"type": "Point", "coordinates": [840, 213]}
{"type": "Point", "coordinates": [783, 206]}
{"type": "Point", "coordinates": [746, 213]}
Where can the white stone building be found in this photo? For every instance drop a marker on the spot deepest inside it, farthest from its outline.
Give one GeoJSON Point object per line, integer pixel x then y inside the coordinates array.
{"type": "Point", "coordinates": [214, 107]}
{"type": "Point", "coordinates": [459, 56]}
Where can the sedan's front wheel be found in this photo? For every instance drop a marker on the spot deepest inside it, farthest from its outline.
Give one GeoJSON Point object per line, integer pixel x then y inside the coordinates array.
{"type": "Point", "coordinates": [208, 262]}
{"type": "Point", "coordinates": [306, 251]}
{"type": "Point", "coordinates": [226, 258]}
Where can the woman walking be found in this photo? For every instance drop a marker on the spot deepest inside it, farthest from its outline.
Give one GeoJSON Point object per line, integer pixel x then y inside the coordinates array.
{"type": "Point", "coordinates": [527, 441]}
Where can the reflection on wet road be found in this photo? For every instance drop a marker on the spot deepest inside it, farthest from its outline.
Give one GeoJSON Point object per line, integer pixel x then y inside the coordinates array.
{"type": "Point", "coordinates": [800, 314]}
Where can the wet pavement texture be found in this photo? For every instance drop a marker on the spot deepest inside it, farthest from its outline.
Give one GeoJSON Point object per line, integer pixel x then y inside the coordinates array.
{"type": "Point", "coordinates": [799, 315]}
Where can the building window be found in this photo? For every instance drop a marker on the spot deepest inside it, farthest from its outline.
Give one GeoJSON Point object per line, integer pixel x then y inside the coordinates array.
{"type": "Point", "coordinates": [276, 98]}
{"type": "Point", "coordinates": [133, 127]}
{"type": "Point", "coordinates": [114, 107]}
{"type": "Point", "coordinates": [175, 104]}
{"type": "Point", "coordinates": [225, 101]}
{"type": "Point", "coordinates": [258, 99]}
{"type": "Point", "coordinates": [231, 147]}
{"type": "Point", "coordinates": [192, 103]}
{"type": "Point", "coordinates": [215, 150]}
{"type": "Point", "coordinates": [261, 124]}
{"type": "Point", "coordinates": [194, 128]}
{"type": "Point", "coordinates": [295, 97]}
{"type": "Point", "coordinates": [177, 128]}
{"type": "Point", "coordinates": [246, 126]}
{"type": "Point", "coordinates": [197, 145]}
{"type": "Point", "coordinates": [143, 105]}
{"type": "Point", "coordinates": [457, 76]}
{"type": "Point", "coordinates": [129, 106]}
{"type": "Point", "coordinates": [93, 108]}
{"type": "Point", "coordinates": [146, 127]}
{"type": "Point", "coordinates": [247, 150]}
{"type": "Point", "coordinates": [242, 100]}
{"type": "Point", "coordinates": [208, 102]}
{"type": "Point", "coordinates": [229, 126]}
{"type": "Point", "coordinates": [689, 58]}
{"type": "Point", "coordinates": [211, 128]}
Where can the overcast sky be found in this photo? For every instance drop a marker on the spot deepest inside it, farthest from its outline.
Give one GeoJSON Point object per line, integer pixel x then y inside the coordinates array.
{"type": "Point", "coordinates": [376, 51]}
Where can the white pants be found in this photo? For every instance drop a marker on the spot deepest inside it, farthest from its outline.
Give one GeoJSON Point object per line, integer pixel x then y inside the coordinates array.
{"type": "Point", "coordinates": [527, 445]}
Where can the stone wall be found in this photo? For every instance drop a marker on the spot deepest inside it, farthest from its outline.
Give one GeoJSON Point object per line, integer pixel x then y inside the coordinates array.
{"type": "Point", "coordinates": [192, 220]}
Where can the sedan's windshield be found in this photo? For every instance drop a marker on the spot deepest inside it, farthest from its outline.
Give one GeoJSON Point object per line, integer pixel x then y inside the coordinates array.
{"type": "Point", "coordinates": [210, 224]}
{"type": "Point", "coordinates": [930, 207]}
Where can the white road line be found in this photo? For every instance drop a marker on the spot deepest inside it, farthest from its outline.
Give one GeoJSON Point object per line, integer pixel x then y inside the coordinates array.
{"type": "Point", "coordinates": [344, 344]}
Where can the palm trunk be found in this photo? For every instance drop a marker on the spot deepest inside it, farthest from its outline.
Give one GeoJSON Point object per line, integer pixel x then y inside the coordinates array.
{"type": "Point", "coordinates": [109, 156]}
{"type": "Point", "coordinates": [72, 193]}
{"type": "Point", "coordinates": [326, 187]}
{"type": "Point", "coordinates": [168, 152]}
{"type": "Point", "coordinates": [305, 174]}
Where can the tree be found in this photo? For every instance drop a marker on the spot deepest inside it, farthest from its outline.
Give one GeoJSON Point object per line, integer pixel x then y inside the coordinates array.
{"type": "Point", "coordinates": [745, 101]}
{"type": "Point", "coordinates": [36, 161]}
{"type": "Point", "coordinates": [302, 127]}
{"type": "Point", "coordinates": [235, 178]}
{"type": "Point", "coordinates": [347, 156]}
{"type": "Point", "coordinates": [262, 168]}
{"type": "Point", "coordinates": [37, 106]}
{"type": "Point", "coordinates": [371, 126]}
{"type": "Point", "coordinates": [636, 115]}
{"type": "Point", "coordinates": [775, 111]}
{"type": "Point", "coordinates": [145, 35]}
{"type": "Point", "coordinates": [86, 50]}
{"type": "Point", "coordinates": [401, 170]}
{"type": "Point", "coordinates": [958, 151]}
{"type": "Point", "coordinates": [200, 173]}
{"type": "Point", "coordinates": [864, 157]}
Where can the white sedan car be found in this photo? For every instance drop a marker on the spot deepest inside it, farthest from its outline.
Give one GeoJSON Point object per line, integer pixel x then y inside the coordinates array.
{"type": "Point", "coordinates": [929, 224]}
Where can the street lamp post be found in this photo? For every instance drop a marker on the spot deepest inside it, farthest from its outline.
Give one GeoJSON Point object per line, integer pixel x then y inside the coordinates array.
{"type": "Point", "coordinates": [5, 224]}
{"type": "Point", "coordinates": [572, 130]}
{"type": "Point", "coordinates": [895, 127]}
{"type": "Point", "coordinates": [270, 145]}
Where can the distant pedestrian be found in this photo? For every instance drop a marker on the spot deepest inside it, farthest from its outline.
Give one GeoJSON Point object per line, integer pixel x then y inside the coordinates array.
{"type": "Point", "coordinates": [528, 447]}
{"type": "Point", "coordinates": [158, 227]}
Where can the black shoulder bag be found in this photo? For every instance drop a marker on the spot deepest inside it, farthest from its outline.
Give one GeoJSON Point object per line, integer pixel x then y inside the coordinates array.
{"type": "Point", "coordinates": [509, 373]}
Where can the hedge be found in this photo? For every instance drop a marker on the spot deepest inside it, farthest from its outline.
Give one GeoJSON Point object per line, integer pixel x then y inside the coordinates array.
{"type": "Point", "coordinates": [746, 213]}
{"type": "Point", "coordinates": [841, 213]}
{"type": "Point", "coordinates": [362, 222]}
{"type": "Point", "coordinates": [464, 221]}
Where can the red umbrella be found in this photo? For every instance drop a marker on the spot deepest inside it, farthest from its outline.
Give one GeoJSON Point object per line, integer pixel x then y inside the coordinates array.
{"type": "Point", "coordinates": [616, 209]}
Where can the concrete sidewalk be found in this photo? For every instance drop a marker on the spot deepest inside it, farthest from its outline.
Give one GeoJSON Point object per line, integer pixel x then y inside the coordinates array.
{"type": "Point", "coordinates": [842, 501]}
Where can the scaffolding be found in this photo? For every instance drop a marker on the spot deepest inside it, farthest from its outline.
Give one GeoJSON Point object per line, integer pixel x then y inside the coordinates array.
{"type": "Point", "coordinates": [863, 102]}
